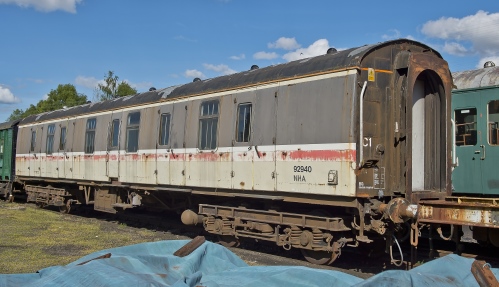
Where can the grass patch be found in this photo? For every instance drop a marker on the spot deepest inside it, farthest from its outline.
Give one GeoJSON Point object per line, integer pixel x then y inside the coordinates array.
{"type": "Point", "coordinates": [32, 238]}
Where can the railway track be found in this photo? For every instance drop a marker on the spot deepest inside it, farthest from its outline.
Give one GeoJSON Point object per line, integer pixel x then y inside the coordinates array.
{"type": "Point", "coordinates": [377, 260]}
{"type": "Point", "coordinates": [352, 260]}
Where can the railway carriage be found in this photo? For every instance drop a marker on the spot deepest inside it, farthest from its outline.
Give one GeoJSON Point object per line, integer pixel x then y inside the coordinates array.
{"type": "Point", "coordinates": [315, 154]}
{"type": "Point", "coordinates": [8, 136]}
{"type": "Point", "coordinates": [472, 210]}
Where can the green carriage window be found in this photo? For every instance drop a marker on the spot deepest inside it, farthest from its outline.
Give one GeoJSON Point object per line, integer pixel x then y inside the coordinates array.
{"type": "Point", "coordinates": [466, 133]}
{"type": "Point", "coordinates": [493, 122]}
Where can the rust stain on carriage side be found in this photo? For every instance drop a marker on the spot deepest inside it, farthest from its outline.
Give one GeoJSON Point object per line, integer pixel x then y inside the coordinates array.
{"type": "Point", "coordinates": [325, 155]}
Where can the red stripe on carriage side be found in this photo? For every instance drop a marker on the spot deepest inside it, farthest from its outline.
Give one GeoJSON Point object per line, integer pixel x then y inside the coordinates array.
{"type": "Point", "coordinates": [296, 155]}
{"type": "Point", "coordinates": [319, 155]}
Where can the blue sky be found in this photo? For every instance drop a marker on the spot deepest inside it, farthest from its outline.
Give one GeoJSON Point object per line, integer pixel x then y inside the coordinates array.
{"type": "Point", "coordinates": [44, 43]}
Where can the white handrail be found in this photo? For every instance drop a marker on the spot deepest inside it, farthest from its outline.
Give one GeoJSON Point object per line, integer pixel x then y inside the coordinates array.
{"type": "Point", "coordinates": [361, 125]}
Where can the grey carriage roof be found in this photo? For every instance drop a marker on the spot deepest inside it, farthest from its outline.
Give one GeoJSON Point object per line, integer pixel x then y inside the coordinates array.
{"type": "Point", "coordinates": [327, 62]}
{"type": "Point", "coordinates": [8, 125]}
{"type": "Point", "coordinates": [473, 79]}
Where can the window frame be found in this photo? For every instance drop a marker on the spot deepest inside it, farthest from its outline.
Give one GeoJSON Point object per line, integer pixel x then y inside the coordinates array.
{"type": "Point", "coordinates": [112, 136]}
{"type": "Point", "coordinates": [131, 127]}
{"type": "Point", "coordinates": [62, 138]}
{"type": "Point", "coordinates": [463, 127]}
{"type": "Point", "coordinates": [49, 149]}
{"type": "Point", "coordinates": [249, 131]}
{"type": "Point", "coordinates": [163, 128]}
{"type": "Point", "coordinates": [32, 141]}
{"type": "Point", "coordinates": [206, 120]}
{"type": "Point", "coordinates": [491, 126]}
{"type": "Point", "coordinates": [90, 132]}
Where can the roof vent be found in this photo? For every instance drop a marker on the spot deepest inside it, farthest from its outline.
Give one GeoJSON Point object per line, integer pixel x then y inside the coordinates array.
{"type": "Point", "coordinates": [152, 89]}
{"type": "Point", "coordinates": [489, 64]}
{"type": "Point", "coordinates": [331, 51]}
{"type": "Point", "coordinates": [254, 67]}
{"type": "Point", "coordinates": [196, 80]}
{"type": "Point", "coordinates": [89, 102]}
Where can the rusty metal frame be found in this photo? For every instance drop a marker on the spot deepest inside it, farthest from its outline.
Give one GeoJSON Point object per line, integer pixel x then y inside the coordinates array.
{"type": "Point", "coordinates": [418, 63]}
{"type": "Point", "coordinates": [482, 212]}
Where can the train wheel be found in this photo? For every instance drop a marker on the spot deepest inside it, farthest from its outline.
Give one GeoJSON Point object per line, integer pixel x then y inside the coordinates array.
{"type": "Point", "coordinates": [40, 204]}
{"type": "Point", "coordinates": [228, 241]}
{"type": "Point", "coordinates": [65, 208]}
{"type": "Point", "coordinates": [319, 257]}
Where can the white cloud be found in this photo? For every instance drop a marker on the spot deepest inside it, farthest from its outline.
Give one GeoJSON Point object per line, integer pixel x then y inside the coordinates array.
{"type": "Point", "coordinates": [455, 48]}
{"type": "Point", "coordinates": [265, 55]}
{"type": "Point", "coordinates": [319, 47]}
{"type": "Point", "coordinates": [394, 34]}
{"type": "Point", "coordinates": [284, 43]}
{"type": "Point", "coordinates": [140, 86]}
{"type": "Point", "coordinates": [88, 82]}
{"type": "Point", "coordinates": [223, 69]}
{"type": "Point", "coordinates": [92, 83]}
{"type": "Point", "coordinates": [240, 57]}
{"type": "Point", "coordinates": [6, 96]}
{"type": "Point", "coordinates": [194, 74]}
{"type": "Point", "coordinates": [46, 5]}
{"type": "Point", "coordinates": [473, 34]}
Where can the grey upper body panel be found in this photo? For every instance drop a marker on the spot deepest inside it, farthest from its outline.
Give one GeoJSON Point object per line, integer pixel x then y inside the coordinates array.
{"type": "Point", "coordinates": [341, 60]}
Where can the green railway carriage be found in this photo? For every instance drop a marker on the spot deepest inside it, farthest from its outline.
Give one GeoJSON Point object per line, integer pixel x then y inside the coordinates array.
{"type": "Point", "coordinates": [8, 133]}
{"type": "Point", "coordinates": [475, 102]}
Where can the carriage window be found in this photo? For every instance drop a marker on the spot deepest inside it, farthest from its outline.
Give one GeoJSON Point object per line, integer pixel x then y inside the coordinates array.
{"type": "Point", "coordinates": [164, 129]}
{"type": "Point", "coordinates": [493, 120]}
{"type": "Point", "coordinates": [132, 132]}
{"type": "Point", "coordinates": [466, 133]}
{"type": "Point", "coordinates": [50, 139]}
{"type": "Point", "coordinates": [33, 141]}
{"type": "Point", "coordinates": [114, 133]}
{"type": "Point", "coordinates": [62, 140]}
{"type": "Point", "coordinates": [90, 136]}
{"type": "Point", "coordinates": [243, 123]}
{"type": "Point", "coordinates": [208, 122]}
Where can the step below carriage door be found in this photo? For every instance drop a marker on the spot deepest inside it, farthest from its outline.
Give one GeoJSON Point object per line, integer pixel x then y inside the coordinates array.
{"type": "Point", "coordinates": [114, 146]}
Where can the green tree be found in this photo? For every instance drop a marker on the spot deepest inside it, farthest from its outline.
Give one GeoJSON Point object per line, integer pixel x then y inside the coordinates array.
{"type": "Point", "coordinates": [64, 96]}
{"type": "Point", "coordinates": [113, 88]}
{"type": "Point", "coordinates": [16, 114]}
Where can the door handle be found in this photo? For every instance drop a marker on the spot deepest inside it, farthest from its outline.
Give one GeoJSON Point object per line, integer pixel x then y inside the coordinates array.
{"type": "Point", "coordinates": [483, 148]}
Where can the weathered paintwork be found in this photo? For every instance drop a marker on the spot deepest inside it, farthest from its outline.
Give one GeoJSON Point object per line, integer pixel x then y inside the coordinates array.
{"type": "Point", "coordinates": [8, 132]}
{"type": "Point", "coordinates": [475, 171]}
{"type": "Point", "coordinates": [342, 133]}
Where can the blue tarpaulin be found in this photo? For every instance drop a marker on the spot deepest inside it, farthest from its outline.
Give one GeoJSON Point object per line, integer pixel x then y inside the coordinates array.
{"type": "Point", "coordinates": [153, 264]}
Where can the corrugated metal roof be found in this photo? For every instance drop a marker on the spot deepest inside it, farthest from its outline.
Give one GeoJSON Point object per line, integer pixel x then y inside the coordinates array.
{"type": "Point", "coordinates": [479, 78]}
{"type": "Point", "coordinates": [345, 59]}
